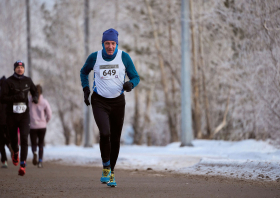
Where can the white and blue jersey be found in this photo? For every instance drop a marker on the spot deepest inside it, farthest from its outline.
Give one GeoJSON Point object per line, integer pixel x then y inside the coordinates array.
{"type": "Point", "coordinates": [109, 74]}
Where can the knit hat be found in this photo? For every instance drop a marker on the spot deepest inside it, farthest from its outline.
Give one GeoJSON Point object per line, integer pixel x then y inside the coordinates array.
{"type": "Point", "coordinates": [18, 63]}
{"type": "Point", "coordinates": [110, 35]}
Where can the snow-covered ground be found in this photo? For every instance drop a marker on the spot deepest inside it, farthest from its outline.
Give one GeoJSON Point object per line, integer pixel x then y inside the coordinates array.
{"type": "Point", "coordinates": [248, 159]}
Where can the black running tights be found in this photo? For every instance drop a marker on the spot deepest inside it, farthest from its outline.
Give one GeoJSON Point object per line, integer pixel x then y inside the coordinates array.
{"type": "Point", "coordinates": [4, 140]}
{"type": "Point", "coordinates": [20, 121]}
{"type": "Point", "coordinates": [38, 134]}
{"type": "Point", "coordinates": [109, 116]}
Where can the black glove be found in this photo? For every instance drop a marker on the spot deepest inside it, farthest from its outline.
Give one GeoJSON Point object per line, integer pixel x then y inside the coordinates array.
{"type": "Point", "coordinates": [127, 86]}
{"type": "Point", "coordinates": [35, 100]}
{"type": "Point", "coordinates": [20, 96]}
{"type": "Point", "coordinates": [86, 95]}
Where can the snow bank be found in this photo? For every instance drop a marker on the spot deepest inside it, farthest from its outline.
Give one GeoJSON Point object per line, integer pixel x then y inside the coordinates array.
{"type": "Point", "coordinates": [248, 159]}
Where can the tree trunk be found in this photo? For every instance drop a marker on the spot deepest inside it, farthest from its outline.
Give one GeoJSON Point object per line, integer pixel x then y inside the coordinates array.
{"type": "Point", "coordinates": [172, 78]}
{"type": "Point", "coordinates": [204, 88]}
{"type": "Point", "coordinates": [138, 133]}
{"type": "Point", "coordinates": [138, 130]}
{"type": "Point", "coordinates": [147, 120]}
{"type": "Point", "coordinates": [206, 104]}
{"type": "Point", "coordinates": [116, 14]}
{"type": "Point", "coordinates": [197, 112]}
{"type": "Point", "coordinates": [28, 39]}
{"type": "Point", "coordinates": [79, 128]}
{"type": "Point", "coordinates": [66, 129]}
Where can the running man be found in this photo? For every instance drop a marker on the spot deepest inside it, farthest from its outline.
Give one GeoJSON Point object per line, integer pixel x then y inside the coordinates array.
{"type": "Point", "coordinates": [110, 65]}
{"type": "Point", "coordinates": [14, 94]}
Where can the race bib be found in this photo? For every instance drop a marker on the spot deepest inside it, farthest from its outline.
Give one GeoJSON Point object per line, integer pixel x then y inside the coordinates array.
{"type": "Point", "coordinates": [19, 107]}
{"type": "Point", "coordinates": [109, 71]}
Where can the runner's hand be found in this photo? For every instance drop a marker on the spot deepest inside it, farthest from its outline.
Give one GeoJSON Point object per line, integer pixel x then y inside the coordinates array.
{"type": "Point", "coordinates": [86, 95]}
{"type": "Point", "coordinates": [127, 86]}
{"type": "Point", "coordinates": [35, 100]}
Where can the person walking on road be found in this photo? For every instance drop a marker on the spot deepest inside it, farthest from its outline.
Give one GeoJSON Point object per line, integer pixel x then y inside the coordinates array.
{"type": "Point", "coordinates": [110, 66]}
{"type": "Point", "coordinates": [40, 115]}
{"type": "Point", "coordinates": [14, 94]}
{"type": "Point", "coordinates": [4, 135]}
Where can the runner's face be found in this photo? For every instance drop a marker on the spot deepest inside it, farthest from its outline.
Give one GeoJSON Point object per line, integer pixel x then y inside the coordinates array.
{"type": "Point", "coordinates": [19, 70]}
{"type": "Point", "coordinates": [110, 47]}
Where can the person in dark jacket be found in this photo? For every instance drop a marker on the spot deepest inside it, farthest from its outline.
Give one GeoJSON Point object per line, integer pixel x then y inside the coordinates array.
{"type": "Point", "coordinates": [14, 94]}
{"type": "Point", "coordinates": [4, 135]}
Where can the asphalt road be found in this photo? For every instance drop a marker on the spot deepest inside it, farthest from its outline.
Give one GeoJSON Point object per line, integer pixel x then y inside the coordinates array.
{"type": "Point", "coordinates": [56, 180]}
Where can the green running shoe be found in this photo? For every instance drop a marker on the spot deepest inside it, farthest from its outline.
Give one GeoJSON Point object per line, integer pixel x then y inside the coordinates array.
{"type": "Point", "coordinates": [106, 173]}
{"type": "Point", "coordinates": [112, 182]}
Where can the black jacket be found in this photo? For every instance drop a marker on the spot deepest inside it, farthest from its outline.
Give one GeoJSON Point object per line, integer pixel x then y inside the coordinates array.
{"type": "Point", "coordinates": [2, 106]}
{"type": "Point", "coordinates": [13, 87]}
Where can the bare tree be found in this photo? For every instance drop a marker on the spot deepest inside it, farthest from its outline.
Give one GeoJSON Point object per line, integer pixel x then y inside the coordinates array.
{"type": "Point", "coordinates": [172, 127]}
{"type": "Point", "coordinates": [12, 34]}
{"type": "Point", "coordinates": [235, 47]}
{"type": "Point", "coordinates": [60, 63]}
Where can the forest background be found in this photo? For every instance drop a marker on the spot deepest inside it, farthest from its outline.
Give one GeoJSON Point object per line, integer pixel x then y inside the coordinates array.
{"type": "Point", "coordinates": [235, 64]}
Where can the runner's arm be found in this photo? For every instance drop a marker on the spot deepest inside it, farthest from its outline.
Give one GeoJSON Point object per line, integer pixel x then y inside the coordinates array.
{"type": "Point", "coordinates": [130, 69]}
{"type": "Point", "coordinates": [48, 111]}
{"type": "Point", "coordinates": [86, 69]}
{"type": "Point", "coordinates": [5, 98]}
{"type": "Point", "coordinates": [33, 91]}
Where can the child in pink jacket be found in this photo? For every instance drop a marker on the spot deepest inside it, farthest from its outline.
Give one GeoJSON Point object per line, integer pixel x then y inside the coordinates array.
{"type": "Point", "coordinates": [40, 115]}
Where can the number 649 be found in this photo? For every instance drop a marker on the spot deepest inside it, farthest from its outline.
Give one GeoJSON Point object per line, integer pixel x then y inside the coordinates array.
{"type": "Point", "coordinates": [110, 72]}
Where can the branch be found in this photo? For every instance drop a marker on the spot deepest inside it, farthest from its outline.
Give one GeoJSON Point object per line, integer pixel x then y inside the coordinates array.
{"type": "Point", "coordinates": [269, 106]}
{"type": "Point", "coordinates": [171, 69]}
{"type": "Point", "coordinates": [269, 29]}
{"type": "Point", "coordinates": [224, 122]}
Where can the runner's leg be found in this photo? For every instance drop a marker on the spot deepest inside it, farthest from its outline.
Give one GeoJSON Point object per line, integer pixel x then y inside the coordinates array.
{"type": "Point", "coordinates": [102, 120]}
{"type": "Point", "coordinates": [12, 126]}
{"type": "Point", "coordinates": [2, 143]}
{"type": "Point", "coordinates": [33, 138]}
{"type": "Point", "coordinates": [24, 131]}
{"type": "Point", "coordinates": [8, 139]}
{"type": "Point", "coordinates": [116, 124]}
{"type": "Point", "coordinates": [41, 136]}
